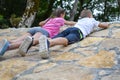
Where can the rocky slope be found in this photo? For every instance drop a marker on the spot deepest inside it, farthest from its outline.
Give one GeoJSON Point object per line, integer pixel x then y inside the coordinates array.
{"type": "Point", "coordinates": [95, 58]}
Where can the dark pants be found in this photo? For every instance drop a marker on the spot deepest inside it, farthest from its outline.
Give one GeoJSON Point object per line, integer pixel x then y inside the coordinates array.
{"type": "Point", "coordinates": [71, 34]}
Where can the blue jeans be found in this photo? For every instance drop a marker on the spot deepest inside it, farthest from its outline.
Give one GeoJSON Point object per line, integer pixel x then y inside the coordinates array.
{"type": "Point", "coordinates": [71, 34]}
{"type": "Point", "coordinates": [34, 30]}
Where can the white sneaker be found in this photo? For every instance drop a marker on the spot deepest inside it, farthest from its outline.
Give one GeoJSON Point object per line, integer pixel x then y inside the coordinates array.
{"type": "Point", "coordinates": [26, 44]}
{"type": "Point", "coordinates": [43, 47]}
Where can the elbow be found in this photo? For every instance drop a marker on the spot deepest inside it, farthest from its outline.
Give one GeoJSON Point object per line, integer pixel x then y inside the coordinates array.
{"type": "Point", "coordinates": [40, 24]}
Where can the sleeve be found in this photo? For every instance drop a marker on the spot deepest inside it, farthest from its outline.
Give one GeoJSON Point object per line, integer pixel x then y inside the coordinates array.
{"type": "Point", "coordinates": [96, 23]}
{"type": "Point", "coordinates": [61, 21]}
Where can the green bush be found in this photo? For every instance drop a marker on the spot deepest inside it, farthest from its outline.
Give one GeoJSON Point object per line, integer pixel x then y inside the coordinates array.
{"type": "Point", "coordinates": [14, 20]}
{"type": "Point", "coordinates": [3, 22]}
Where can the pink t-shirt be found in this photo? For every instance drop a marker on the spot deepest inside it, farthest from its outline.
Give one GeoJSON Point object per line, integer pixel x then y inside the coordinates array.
{"type": "Point", "coordinates": [53, 26]}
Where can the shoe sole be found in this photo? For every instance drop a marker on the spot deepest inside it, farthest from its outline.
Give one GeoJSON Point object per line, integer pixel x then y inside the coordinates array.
{"type": "Point", "coordinates": [24, 46]}
{"type": "Point", "coordinates": [3, 47]}
{"type": "Point", "coordinates": [43, 47]}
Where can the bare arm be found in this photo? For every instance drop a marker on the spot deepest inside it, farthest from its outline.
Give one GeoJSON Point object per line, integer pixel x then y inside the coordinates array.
{"type": "Point", "coordinates": [66, 22]}
{"type": "Point", "coordinates": [70, 22]}
{"type": "Point", "coordinates": [42, 23]}
{"type": "Point", "coordinates": [103, 25]}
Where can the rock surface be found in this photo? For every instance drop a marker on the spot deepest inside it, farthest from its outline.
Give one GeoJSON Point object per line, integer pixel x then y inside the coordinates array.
{"type": "Point", "coordinates": [97, 57]}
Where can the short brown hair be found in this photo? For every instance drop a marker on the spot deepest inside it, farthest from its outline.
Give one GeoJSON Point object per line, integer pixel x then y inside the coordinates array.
{"type": "Point", "coordinates": [85, 13]}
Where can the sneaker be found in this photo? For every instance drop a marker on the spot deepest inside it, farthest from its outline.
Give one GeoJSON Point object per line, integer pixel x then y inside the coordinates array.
{"type": "Point", "coordinates": [43, 47]}
{"type": "Point", "coordinates": [3, 46]}
{"type": "Point", "coordinates": [26, 44]}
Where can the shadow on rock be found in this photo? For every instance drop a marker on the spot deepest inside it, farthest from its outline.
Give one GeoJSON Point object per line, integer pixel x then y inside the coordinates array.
{"type": "Point", "coordinates": [2, 58]}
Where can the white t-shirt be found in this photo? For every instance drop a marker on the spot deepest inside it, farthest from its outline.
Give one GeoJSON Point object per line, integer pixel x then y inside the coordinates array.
{"type": "Point", "coordinates": [86, 25]}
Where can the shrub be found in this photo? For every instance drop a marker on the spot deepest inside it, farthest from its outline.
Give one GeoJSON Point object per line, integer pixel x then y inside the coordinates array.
{"type": "Point", "coordinates": [3, 22]}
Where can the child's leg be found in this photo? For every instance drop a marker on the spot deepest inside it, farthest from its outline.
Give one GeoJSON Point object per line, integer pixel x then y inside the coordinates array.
{"type": "Point", "coordinates": [61, 38]}
{"type": "Point", "coordinates": [69, 36]}
{"type": "Point", "coordinates": [14, 45]}
{"type": "Point", "coordinates": [20, 38]}
{"type": "Point", "coordinates": [58, 41]}
{"type": "Point", "coordinates": [36, 38]}
{"type": "Point", "coordinates": [37, 32]}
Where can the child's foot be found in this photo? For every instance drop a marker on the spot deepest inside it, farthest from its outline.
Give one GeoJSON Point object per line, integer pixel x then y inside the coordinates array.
{"type": "Point", "coordinates": [43, 47]}
{"type": "Point", "coordinates": [3, 46]}
{"type": "Point", "coordinates": [26, 44]}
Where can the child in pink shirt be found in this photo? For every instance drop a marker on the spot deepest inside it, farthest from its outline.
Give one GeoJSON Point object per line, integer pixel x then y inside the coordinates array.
{"type": "Point", "coordinates": [53, 26]}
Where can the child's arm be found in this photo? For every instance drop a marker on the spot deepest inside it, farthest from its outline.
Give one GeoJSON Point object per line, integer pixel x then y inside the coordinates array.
{"type": "Point", "coordinates": [70, 22]}
{"type": "Point", "coordinates": [42, 23]}
{"type": "Point", "coordinates": [103, 25]}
